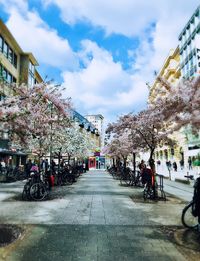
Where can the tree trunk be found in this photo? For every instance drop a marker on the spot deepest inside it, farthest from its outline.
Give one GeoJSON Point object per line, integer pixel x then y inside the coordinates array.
{"type": "Point", "coordinates": [113, 162]}
{"type": "Point", "coordinates": [118, 163]}
{"type": "Point", "coordinates": [68, 157]}
{"type": "Point", "coordinates": [152, 166]}
{"type": "Point", "coordinates": [125, 162]}
{"type": "Point", "coordinates": [59, 159]}
{"type": "Point", "coordinates": [134, 162]}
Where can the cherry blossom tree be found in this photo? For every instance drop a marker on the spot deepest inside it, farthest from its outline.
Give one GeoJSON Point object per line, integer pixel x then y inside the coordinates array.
{"type": "Point", "coordinates": [29, 115]}
{"type": "Point", "coordinates": [147, 130]}
{"type": "Point", "coordinates": [73, 142]}
{"type": "Point", "coordinates": [180, 105]}
{"type": "Point", "coordinates": [123, 128]}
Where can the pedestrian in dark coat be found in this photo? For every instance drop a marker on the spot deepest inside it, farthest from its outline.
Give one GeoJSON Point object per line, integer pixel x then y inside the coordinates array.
{"type": "Point", "coordinates": [175, 166]}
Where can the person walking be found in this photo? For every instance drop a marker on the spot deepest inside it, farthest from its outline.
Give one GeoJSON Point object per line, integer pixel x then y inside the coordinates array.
{"type": "Point", "coordinates": [28, 167]}
{"type": "Point", "coordinates": [141, 165]}
{"type": "Point", "coordinates": [182, 163]}
{"type": "Point", "coordinates": [190, 163]}
{"type": "Point", "coordinates": [175, 166]}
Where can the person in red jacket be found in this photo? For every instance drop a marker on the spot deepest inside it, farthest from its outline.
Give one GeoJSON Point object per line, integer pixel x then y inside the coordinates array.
{"type": "Point", "coordinates": [147, 175]}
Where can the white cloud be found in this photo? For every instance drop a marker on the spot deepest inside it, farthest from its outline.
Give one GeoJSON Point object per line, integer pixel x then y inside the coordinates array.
{"type": "Point", "coordinates": [35, 36]}
{"type": "Point", "coordinates": [22, 5]}
{"type": "Point", "coordinates": [103, 85]}
{"type": "Point", "coordinates": [128, 17]}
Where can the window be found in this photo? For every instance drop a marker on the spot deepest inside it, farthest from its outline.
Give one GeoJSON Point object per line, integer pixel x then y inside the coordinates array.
{"type": "Point", "coordinates": [31, 68]}
{"type": "Point", "coordinates": [5, 73]}
{"type": "Point", "coordinates": [31, 78]}
{"type": "Point", "coordinates": [9, 78]}
{"type": "Point", "coordinates": [2, 97]}
{"type": "Point", "coordinates": [6, 76]}
{"type": "Point", "coordinates": [1, 44]}
{"type": "Point", "coordinates": [5, 49]}
{"type": "Point", "coordinates": [15, 60]}
{"type": "Point", "coordinates": [8, 52]}
{"type": "Point", "coordinates": [10, 55]}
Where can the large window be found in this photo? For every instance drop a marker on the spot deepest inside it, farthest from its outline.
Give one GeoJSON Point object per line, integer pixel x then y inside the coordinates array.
{"type": "Point", "coordinates": [8, 52]}
{"type": "Point", "coordinates": [1, 43]}
{"type": "Point", "coordinates": [6, 76]}
{"type": "Point", "coordinates": [31, 78]}
{"type": "Point", "coordinates": [5, 49]}
{"type": "Point", "coordinates": [15, 60]}
{"type": "Point", "coordinates": [10, 55]}
{"type": "Point", "coordinates": [9, 78]}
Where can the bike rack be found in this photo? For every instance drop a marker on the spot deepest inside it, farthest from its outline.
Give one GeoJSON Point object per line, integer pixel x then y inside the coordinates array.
{"type": "Point", "coordinates": [160, 186]}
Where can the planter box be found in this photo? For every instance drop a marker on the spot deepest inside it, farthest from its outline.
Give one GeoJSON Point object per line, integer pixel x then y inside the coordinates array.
{"type": "Point", "coordinates": [183, 181]}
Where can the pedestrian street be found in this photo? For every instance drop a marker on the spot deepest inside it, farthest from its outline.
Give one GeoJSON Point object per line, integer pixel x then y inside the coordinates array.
{"type": "Point", "coordinates": [94, 219]}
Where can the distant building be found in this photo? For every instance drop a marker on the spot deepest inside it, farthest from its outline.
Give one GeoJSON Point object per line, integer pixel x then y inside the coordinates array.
{"type": "Point", "coordinates": [86, 125]}
{"type": "Point", "coordinates": [189, 45]}
{"type": "Point", "coordinates": [97, 120]}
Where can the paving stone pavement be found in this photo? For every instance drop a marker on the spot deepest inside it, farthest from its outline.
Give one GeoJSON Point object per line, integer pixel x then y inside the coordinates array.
{"type": "Point", "coordinates": [94, 219]}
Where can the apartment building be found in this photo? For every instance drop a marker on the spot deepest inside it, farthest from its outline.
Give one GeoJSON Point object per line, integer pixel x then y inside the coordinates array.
{"type": "Point", "coordinates": [97, 161]}
{"type": "Point", "coordinates": [86, 125]}
{"type": "Point", "coordinates": [170, 71]}
{"type": "Point", "coordinates": [16, 66]}
{"type": "Point", "coordinates": [97, 120]}
{"type": "Point", "coordinates": [183, 62]}
{"type": "Point", "coordinates": [189, 45]}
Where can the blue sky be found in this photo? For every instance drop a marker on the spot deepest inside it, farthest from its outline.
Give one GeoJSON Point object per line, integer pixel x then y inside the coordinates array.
{"type": "Point", "coordinates": [102, 51]}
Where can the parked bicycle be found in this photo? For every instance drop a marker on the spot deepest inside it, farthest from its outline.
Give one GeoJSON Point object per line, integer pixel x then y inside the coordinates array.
{"type": "Point", "coordinates": [36, 188]}
{"type": "Point", "coordinates": [191, 213]}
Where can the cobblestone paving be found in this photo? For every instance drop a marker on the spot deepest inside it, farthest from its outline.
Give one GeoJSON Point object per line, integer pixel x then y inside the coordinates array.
{"type": "Point", "coordinates": [95, 219]}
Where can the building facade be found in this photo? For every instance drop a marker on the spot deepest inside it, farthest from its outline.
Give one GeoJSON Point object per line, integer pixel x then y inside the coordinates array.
{"type": "Point", "coordinates": [183, 62]}
{"type": "Point", "coordinates": [16, 66]}
{"type": "Point", "coordinates": [98, 120]}
{"type": "Point", "coordinates": [171, 72]}
{"type": "Point", "coordinates": [97, 161]}
{"type": "Point", "coordinates": [86, 125]}
{"type": "Point", "coordinates": [189, 45]}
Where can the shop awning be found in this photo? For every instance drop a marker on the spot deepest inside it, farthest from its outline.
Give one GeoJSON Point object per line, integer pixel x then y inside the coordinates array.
{"type": "Point", "coordinates": [10, 152]}
{"type": "Point", "coordinates": [192, 153]}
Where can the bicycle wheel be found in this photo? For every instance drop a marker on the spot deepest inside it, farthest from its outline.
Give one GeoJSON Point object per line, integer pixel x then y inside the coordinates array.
{"type": "Point", "coordinates": [24, 195]}
{"type": "Point", "coordinates": [188, 220]}
{"type": "Point", "coordinates": [38, 191]}
{"type": "Point", "coordinates": [148, 192]}
{"type": "Point", "coordinates": [145, 192]}
{"type": "Point", "coordinates": [26, 191]}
